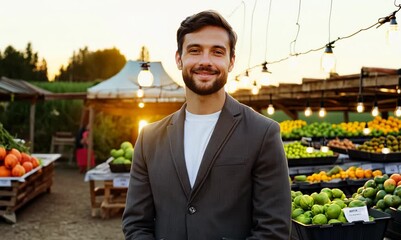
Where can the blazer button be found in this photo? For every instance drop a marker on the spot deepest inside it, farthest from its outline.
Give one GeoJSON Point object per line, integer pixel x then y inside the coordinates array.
{"type": "Point", "coordinates": [191, 210]}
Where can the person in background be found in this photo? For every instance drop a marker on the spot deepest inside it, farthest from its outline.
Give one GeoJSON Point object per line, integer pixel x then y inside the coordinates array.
{"type": "Point", "coordinates": [81, 149]}
{"type": "Point", "coordinates": [215, 169]}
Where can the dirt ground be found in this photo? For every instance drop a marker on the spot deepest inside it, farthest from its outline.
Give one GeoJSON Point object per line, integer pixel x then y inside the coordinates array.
{"type": "Point", "coordinates": [62, 214]}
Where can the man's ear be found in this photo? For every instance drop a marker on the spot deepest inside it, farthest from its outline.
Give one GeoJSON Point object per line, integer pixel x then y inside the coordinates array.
{"type": "Point", "coordinates": [178, 60]}
{"type": "Point", "coordinates": [231, 66]}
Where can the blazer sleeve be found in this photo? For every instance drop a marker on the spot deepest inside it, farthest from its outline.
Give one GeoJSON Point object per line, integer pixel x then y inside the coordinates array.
{"type": "Point", "coordinates": [139, 213]}
{"type": "Point", "coordinates": [272, 193]}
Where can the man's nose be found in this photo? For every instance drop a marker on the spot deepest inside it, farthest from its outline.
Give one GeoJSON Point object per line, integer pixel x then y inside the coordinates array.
{"type": "Point", "coordinates": [205, 58]}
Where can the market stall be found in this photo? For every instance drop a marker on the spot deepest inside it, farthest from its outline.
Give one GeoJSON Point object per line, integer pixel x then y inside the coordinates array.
{"type": "Point", "coordinates": [15, 192]}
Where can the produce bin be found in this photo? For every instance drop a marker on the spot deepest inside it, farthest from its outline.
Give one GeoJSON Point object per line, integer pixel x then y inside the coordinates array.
{"type": "Point", "coordinates": [360, 230]}
{"type": "Point", "coordinates": [394, 226]}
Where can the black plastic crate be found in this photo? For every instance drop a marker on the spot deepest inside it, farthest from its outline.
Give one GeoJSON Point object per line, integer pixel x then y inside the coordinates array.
{"type": "Point", "coordinates": [344, 231]}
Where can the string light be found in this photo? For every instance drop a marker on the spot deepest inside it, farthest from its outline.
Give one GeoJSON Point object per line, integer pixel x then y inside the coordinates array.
{"type": "Point", "coordinates": [145, 77]}
{"type": "Point", "coordinates": [140, 93]}
{"type": "Point", "coordinates": [366, 129]}
{"type": "Point", "coordinates": [308, 110]}
{"type": "Point", "coordinates": [375, 109]}
{"type": "Point", "coordinates": [359, 106]}
{"type": "Point", "coordinates": [270, 108]}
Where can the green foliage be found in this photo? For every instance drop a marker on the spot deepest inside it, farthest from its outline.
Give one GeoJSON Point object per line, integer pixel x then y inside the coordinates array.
{"type": "Point", "coordinates": [89, 66]}
{"type": "Point", "coordinates": [109, 132]}
{"type": "Point", "coordinates": [62, 87]}
{"type": "Point", "coordinates": [22, 65]}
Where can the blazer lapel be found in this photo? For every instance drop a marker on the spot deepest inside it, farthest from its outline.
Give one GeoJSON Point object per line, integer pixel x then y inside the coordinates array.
{"type": "Point", "coordinates": [229, 118]}
{"type": "Point", "coordinates": [175, 133]}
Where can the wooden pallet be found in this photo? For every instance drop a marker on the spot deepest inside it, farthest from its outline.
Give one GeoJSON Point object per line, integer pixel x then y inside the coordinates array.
{"type": "Point", "coordinates": [19, 193]}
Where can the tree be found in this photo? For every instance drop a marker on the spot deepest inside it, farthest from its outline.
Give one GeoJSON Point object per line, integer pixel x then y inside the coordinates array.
{"type": "Point", "coordinates": [89, 66]}
{"type": "Point", "coordinates": [22, 65]}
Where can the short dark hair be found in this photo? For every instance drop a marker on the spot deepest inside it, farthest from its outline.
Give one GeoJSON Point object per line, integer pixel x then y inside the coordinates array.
{"type": "Point", "coordinates": [203, 19]}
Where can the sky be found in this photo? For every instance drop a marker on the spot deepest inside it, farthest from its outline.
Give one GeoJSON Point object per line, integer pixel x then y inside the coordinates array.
{"type": "Point", "coordinates": [56, 28]}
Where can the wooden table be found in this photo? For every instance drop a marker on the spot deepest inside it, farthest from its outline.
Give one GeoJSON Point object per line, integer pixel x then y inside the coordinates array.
{"type": "Point", "coordinates": [15, 192]}
{"type": "Point", "coordinates": [107, 190]}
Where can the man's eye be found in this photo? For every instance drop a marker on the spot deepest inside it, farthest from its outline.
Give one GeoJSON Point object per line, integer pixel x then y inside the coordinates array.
{"type": "Point", "coordinates": [193, 51]}
{"type": "Point", "coordinates": [219, 52]}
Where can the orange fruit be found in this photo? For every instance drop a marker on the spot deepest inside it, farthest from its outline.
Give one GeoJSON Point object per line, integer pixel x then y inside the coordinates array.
{"type": "Point", "coordinates": [16, 152]}
{"type": "Point", "coordinates": [27, 166]}
{"type": "Point", "coordinates": [18, 171]}
{"type": "Point", "coordinates": [3, 153]}
{"type": "Point", "coordinates": [4, 172]}
{"type": "Point", "coordinates": [10, 161]}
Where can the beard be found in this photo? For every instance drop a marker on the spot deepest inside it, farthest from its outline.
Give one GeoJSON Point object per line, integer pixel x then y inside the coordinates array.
{"type": "Point", "coordinates": [204, 90]}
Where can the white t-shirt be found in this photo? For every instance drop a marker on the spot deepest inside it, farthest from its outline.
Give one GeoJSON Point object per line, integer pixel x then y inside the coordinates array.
{"type": "Point", "coordinates": [197, 132]}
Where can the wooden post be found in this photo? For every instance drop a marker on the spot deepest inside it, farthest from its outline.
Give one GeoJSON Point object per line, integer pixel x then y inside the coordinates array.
{"type": "Point", "coordinates": [32, 125]}
{"type": "Point", "coordinates": [90, 142]}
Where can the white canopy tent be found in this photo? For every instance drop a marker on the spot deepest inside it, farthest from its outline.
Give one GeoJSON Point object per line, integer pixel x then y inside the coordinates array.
{"type": "Point", "coordinates": [125, 85]}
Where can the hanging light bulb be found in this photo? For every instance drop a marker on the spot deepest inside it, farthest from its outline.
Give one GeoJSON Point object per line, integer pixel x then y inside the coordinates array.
{"type": "Point", "coordinates": [245, 82]}
{"type": "Point", "coordinates": [255, 88]}
{"type": "Point", "coordinates": [393, 32]}
{"type": "Point", "coordinates": [359, 106]}
{"type": "Point", "coordinates": [323, 147]}
{"type": "Point", "coordinates": [145, 77]}
{"type": "Point", "coordinates": [140, 93]}
{"type": "Point", "coordinates": [375, 109]}
{"type": "Point", "coordinates": [270, 108]}
{"type": "Point", "coordinates": [397, 111]}
{"type": "Point", "coordinates": [322, 110]}
{"type": "Point", "coordinates": [328, 60]}
{"type": "Point", "coordinates": [231, 86]}
{"type": "Point", "coordinates": [366, 129]}
{"type": "Point", "coordinates": [265, 78]}
{"type": "Point", "coordinates": [308, 110]}
{"type": "Point", "coordinates": [141, 104]}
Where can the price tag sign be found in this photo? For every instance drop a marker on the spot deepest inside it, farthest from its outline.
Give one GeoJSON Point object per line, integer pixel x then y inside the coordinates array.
{"type": "Point", "coordinates": [390, 169]}
{"type": "Point", "coordinates": [367, 166]}
{"type": "Point", "coordinates": [5, 183]}
{"type": "Point", "coordinates": [121, 182]}
{"type": "Point", "coordinates": [356, 214]}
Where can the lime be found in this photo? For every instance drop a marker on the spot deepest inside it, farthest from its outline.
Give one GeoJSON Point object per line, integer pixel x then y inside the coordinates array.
{"type": "Point", "coordinates": [306, 202]}
{"type": "Point", "coordinates": [328, 191]}
{"type": "Point", "coordinates": [317, 209]}
{"type": "Point", "coordinates": [381, 204]}
{"type": "Point", "coordinates": [333, 211]}
{"type": "Point", "coordinates": [337, 193]}
{"type": "Point", "coordinates": [333, 221]}
{"type": "Point", "coordinates": [380, 195]}
{"type": "Point", "coordinates": [356, 203]}
{"type": "Point", "coordinates": [297, 199]}
{"type": "Point", "coordinates": [370, 183]}
{"type": "Point", "coordinates": [319, 219]}
{"type": "Point", "coordinates": [342, 218]}
{"type": "Point", "coordinates": [369, 192]}
{"type": "Point", "coordinates": [303, 219]}
{"type": "Point", "coordinates": [321, 198]}
{"type": "Point", "coordinates": [297, 212]}
{"type": "Point", "coordinates": [339, 202]}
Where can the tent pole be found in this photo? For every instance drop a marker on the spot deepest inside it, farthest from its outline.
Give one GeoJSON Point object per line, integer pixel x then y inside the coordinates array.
{"type": "Point", "coordinates": [32, 125]}
{"type": "Point", "coordinates": [90, 143]}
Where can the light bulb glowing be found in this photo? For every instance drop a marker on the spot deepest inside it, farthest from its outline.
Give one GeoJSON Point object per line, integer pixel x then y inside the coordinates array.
{"type": "Point", "coordinates": [360, 107]}
{"type": "Point", "coordinates": [265, 78]}
{"type": "Point", "coordinates": [231, 86]}
{"type": "Point", "coordinates": [308, 111]}
{"type": "Point", "coordinates": [397, 111]}
{"type": "Point", "coordinates": [270, 109]}
{"type": "Point", "coordinates": [366, 131]}
{"type": "Point", "coordinates": [328, 61]}
{"type": "Point", "coordinates": [245, 82]}
{"type": "Point", "coordinates": [255, 89]}
{"type": "Point", "coordinates": [141, 105]}
{"type": "Point", "coordinates": [140, 93]}
{"type": "Point", "coordinates": [141, 124]}
{"type": "Point", "coordinates": [375, 111]}
{"type": "Point", "coordinates": [393, 33]}
{"type": "Point", "coordinates": [322, 112]}
{"type": "Point", "coordinates": [145, 78]}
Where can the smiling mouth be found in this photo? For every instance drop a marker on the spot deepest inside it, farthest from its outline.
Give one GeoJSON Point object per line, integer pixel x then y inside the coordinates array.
{"type": "Point", "coordinates": [205, 71]}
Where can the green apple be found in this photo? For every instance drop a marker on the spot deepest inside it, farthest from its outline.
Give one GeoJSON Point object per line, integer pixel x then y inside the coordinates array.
{"type": "Point", "coordinates": [128, 152]}
{"type": "Point", "coordinates": [126, 144]}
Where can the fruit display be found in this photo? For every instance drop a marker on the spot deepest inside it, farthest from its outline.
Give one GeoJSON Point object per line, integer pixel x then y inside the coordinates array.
{"type": "Point", "coordinates": [297, 150]}
{"type": "Point", "coordinates": [325, 207]}
{"type": "Point", "coordinates": [337, 172]}
{"type": "Point", "coordinates": [123, 155]}
{"type": "Point", "coordinates": [288, 126]}
{"type": "Point", "coordinates": [343, 144]}
{"type": "Point", "coordinates": [15, 160]}
{"type": "Point", "coordinates": [381, 193]}
{"type": "Point", "coordinates": [376, 144]}
{"type": "Point", "coordinates": [316, 129]}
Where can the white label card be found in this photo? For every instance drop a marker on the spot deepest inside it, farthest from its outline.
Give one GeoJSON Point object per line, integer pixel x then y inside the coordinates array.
{"type": "Point", "coordinates": [367, 166]}
{"type": "Point", "coordinates": [121, 182]}
{"type": "Point", "coordinates": [5, 183]}
{"type": "Point", "coordinates": [356, 214]}
{"type": "Point", "coordinates": [390, 169]}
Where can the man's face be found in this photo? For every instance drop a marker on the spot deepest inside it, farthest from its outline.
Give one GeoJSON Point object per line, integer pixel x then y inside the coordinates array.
{"type": "Point", "coordinates": [205, 60]}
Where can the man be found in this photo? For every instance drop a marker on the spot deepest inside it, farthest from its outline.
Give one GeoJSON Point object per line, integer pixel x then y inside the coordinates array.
{"type": "Point", "coordinates": [215, 169]}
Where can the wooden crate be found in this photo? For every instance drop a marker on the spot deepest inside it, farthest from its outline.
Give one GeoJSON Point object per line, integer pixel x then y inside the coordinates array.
{"type": "Point", "coordinates": [19, 193]}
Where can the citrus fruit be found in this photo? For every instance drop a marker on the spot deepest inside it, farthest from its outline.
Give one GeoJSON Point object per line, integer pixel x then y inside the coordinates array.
{"type": "Point", "coordinates": [319, 219]}
{"type": "Point", "coordinates": [333, 211]}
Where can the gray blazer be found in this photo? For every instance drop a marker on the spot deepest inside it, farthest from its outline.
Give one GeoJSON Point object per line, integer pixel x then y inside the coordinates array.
{"type": "Point", "coordinates": [241, 191]}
